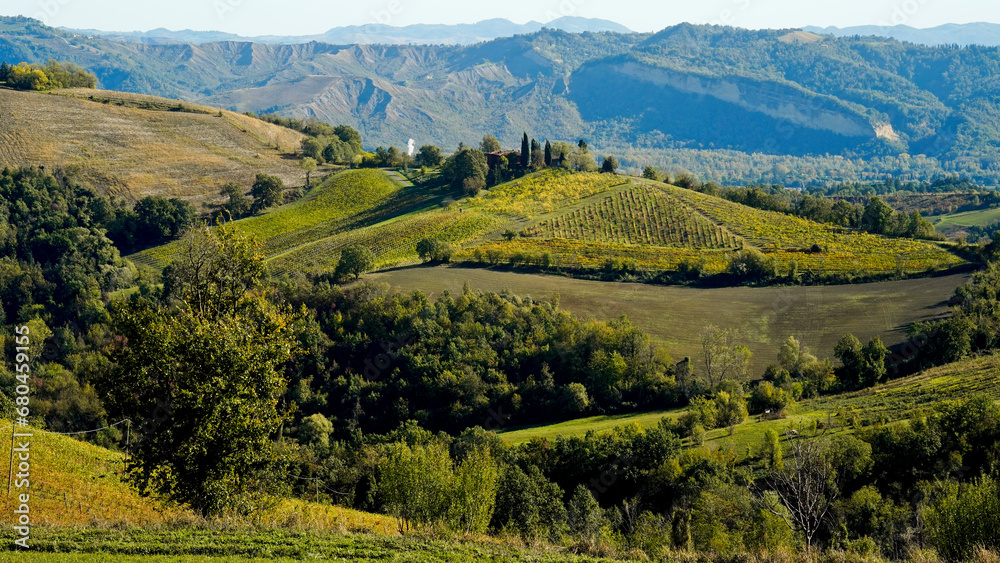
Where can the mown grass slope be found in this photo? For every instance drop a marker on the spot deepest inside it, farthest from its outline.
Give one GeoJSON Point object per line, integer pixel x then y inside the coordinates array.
{"type": "Point", "coordinates": [75, 483]}
{"type": "Point", "coordinates": [133, 146]}
{"type": "Point", "coordinates": [364, 207]}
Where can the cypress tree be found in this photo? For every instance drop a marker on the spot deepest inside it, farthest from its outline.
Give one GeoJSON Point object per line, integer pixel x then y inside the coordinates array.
{"type": "Point", "coordinates": [548, 153]}
{"type": "Point", "coordinates": [525, 152]}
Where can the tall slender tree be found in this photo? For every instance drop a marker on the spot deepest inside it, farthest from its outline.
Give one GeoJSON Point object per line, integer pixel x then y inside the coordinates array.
{"type": "Point", "coordinates": [548, 153]}
{"type": "Point", "coordinates": [525, 151]}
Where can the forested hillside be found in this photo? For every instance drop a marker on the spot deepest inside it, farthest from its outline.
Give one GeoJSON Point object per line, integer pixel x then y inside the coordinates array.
{"type": "Point", "coordinates": [794, 106]}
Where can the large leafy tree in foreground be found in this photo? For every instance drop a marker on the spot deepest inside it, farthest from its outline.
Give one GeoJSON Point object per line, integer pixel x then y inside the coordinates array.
{"type": "Point", "coordinates": [202, 376]}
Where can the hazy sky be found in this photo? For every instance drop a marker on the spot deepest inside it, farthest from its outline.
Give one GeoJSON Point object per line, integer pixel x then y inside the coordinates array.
{"type": "Point", "coordinates": [300, 17]}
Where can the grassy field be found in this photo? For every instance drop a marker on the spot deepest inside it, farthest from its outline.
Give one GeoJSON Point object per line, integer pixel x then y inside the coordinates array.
{"type": "Point", "coordinates": [895, 400]}
{"type": "Point", "coordinates": [132, 146]}
{"type": "Point", "coordinates": [674, 316]}
{"type": "Point", "coordinates": [74, 483]}
{"type": "Point", "coordinates": [977, 218]}
{"type": "Point", "coordinates": [218, 545]}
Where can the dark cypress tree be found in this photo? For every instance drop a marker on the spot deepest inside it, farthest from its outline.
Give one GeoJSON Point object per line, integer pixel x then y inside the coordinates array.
{"type": "Point", "coordinates": [525, 152]}
{"type": "Point", "coordinates": [548, 153]}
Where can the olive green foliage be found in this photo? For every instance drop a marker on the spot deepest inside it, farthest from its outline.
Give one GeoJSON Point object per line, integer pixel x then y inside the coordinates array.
{"type": "Point", "coordinates": [354, 261]}
{"type": "Point", "coordinates": [528, 504]}
{"type": "Point", "coordinates": [325, 144]}
{"type": "Point", "coordinates": [152, 220]}
{"type": "Point", "coordinates": [239, 204]}
{"type": "Point", "coordinates": [862, 366]}
{"type": "Point", "coordinates": [974, 327]}
{"type": "Point", "coordinates": [454, 364]}
{"type": "Point", "coordinates": [56, 273]}
{"type": "Point", "coordinates": [24, 76]}
{"type": "Point", "coordinates": [430, 156]}
{"type": "Point", "coordinates": [421, 485]}
{"type": "Point", "coordinates": [205, 375]}
{"type": "Point", "coordinates": [751, 264]}
{"type": "Point", "coordinates": [434, 250]}
{"type": "Point", "coordinates": [609, 165]}
{"type": "Point", "coordinates": [466, 169]}
{"type": "Point", "coordinates": [766, 397]}
{"type": "Point", "coordinates": [965, 517]}
{"type": "Point", "coordinates": [267, 191]}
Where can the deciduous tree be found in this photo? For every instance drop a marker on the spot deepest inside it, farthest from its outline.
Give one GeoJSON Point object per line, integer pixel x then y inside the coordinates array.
{"type": "Point", "coordinates": [205, 375]}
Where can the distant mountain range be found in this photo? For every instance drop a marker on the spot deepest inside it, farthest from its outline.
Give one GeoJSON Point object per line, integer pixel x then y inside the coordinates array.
{"type": "Point", "coordinates": [730, 104]}
{"type": "Point", "coordinates": [419, 34]}
{"type": "Point", "coordinates": [948, 34]}
{"type": "Point", "coordinates": [486, 30]}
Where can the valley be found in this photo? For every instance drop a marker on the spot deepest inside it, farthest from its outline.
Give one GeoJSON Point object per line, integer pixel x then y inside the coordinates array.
{"type": "Point", "coordinates": [703, 294]}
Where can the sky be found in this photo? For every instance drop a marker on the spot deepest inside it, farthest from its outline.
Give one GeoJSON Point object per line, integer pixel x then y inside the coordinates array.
{"type": "Point", "coordinates": [304, 17]}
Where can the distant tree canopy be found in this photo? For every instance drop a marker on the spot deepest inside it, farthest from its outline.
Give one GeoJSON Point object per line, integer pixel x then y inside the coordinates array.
{"type": "Point", "coordinates": [354, 261]}
{"type": "Point", "coordinates": [267, 191]}
{"type": "Point", "coordinates": [455, 365]}
{"type": "Point", "coordinates": [430, 156]}
{"type": "Point", "coordinates": [875, 216]}
{"type": "Point", "coordinates": [152, 220]}
{"type": "Point", "coordinates": [489, 144]}
{"type": "Point", "coordinates": [238, 204]}
{"type": "Point", "coordinates": [466, 168]}
{"type": "Point", "coordinates": [609, 165]}
{"type": "Point", "coordinates": [52, 75]}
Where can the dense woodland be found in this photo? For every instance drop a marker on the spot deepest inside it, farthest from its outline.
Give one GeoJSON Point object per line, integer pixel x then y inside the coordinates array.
{"type": "Point", "coordinates": [390, 399]}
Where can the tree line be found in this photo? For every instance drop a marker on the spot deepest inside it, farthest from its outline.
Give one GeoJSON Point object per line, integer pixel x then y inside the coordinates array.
{"type": "Point", "coordinates": [52, 75]}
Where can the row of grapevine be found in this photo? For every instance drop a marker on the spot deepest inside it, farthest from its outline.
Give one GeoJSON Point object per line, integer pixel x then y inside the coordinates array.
{"type": "Point", "coordinates": [640, 215]}
{"type": "Point", "coordinates": [544, 192]}
{"type": "Point", "coordinates": [392, 242]}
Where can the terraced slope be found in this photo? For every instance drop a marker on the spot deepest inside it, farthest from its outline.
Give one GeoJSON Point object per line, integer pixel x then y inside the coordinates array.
{"type": "Point", "coordinates": [133, 146]}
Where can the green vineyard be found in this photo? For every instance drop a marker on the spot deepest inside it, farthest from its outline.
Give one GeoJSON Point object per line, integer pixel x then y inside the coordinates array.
{"type": "Point", "coordinates": [393, 242]}
{"type": "Point", "coordinates": [543, 192]}
{"type": "Point", "coordinates": [579, 221]}
{"type": "Point", "coordinates": [640, 215]}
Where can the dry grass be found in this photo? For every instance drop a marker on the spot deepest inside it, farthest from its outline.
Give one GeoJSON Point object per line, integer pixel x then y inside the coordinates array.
{"type": "Point", "coordinates": [77, 484]}
{"type": "Point", "coordinates": [133, 146]}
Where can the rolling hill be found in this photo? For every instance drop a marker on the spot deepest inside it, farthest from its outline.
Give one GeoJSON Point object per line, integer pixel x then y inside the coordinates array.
{"type": "Point", "coordinates": [803, 108]}
{"type": "Point", "coordinates": [131, 145]}
{"type": "Point", "coordinates": [418, 34]}
{"type": "Point", "coordinates": [574, 221]}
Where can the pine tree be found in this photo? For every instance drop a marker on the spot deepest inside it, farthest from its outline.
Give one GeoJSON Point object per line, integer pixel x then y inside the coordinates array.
{"type": "Point", "coordinates": [525, 152]}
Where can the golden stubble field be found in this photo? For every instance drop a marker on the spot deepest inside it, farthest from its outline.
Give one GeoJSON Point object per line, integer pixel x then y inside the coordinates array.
{"type": "Point", "coordinates": [132, 146]}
